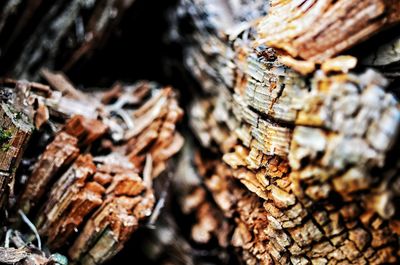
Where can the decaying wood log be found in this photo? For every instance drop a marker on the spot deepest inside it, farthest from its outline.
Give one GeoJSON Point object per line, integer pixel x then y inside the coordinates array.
{"type": "Point", "coordinates": [314, 149]}
{"type": "Point", "coordinates": [92, 186]}
{"type": "Point", "coordinates": [297, 158]}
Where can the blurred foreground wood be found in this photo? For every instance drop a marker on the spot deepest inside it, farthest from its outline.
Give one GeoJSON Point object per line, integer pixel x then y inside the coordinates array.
{"type": "Point", "coordinates": [54, 34]}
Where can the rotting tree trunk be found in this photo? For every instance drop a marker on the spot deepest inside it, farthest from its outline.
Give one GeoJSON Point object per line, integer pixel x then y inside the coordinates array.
{"type": "Point", "coordinates": [297, 162]}
{"type": "Point", "coordinates": [305, 165]}
{"type": "Point", "coordinates": [91, 186]}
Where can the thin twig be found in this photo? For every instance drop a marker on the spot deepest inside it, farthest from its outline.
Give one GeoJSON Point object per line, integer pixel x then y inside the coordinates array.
{"type": "Point", "coordinates": [32, 227]}
{"type": "Point", "coordinates": [7, 240]}
{"type": "Point", "coordinates": [147, 171]}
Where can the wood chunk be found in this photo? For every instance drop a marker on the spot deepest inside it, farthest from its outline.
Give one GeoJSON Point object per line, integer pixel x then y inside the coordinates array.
{"type": "Point", "coordinates": [93, 199]}
{"type": "Point", "coordinates": [60, 82]}
{"type": "Point", "coordinates": [341, 25]}
{"type": "Point", "coordinates": [209, 224]}
{"type": "Point", "coordinates": [85, 130]}
{"type": "Point", "coordinates": [110, 226]}
{"type": "Point", "coordinates": [57, 156]}
{"type": "Point", "coordinates": [15, 131]}
{"type": "Point", "coordinates": [23, 256]}
{"type": "Point", "coordinates": [341, 64]}
{"type": "Point", "coordinates": [155, 131]}
{"type": "Point", "coordinates": [360, 237]}
{"type": "Point", "coordinates": [70, 200]}
{"type": "Point", "coordinates": [193, 200]}
{"type": "Point", "coordinates": [127, 184]}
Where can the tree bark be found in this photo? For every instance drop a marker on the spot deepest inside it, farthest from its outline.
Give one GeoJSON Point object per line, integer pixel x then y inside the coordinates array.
{"type": "Point", "coordinates": [305, 167]}
{"type": "Point", "coordinates": [295, 117]}
{"type": "Point", "coordinates": [15, 131]}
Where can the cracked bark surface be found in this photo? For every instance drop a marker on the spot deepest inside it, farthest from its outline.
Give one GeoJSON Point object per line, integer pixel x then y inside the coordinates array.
{"type": "Point", "coordinates": [305, 168]}
{"type": "Point", "coordinates": [295, 160]}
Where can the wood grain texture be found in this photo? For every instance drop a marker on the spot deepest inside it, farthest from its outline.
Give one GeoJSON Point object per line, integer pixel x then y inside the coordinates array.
{"type": "Point", "coordinates": [302, 144]}
{"type": "Point", "coordinates": [91, 187]}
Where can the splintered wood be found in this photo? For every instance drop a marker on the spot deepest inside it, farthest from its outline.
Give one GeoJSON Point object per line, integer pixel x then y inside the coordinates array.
{"type": "Point", "coordinates": [305, 167]}
{"type": "Point", "coordinates": [92, 184]}
{"type": "Point", "coordinates": [335, 25]}
{"type": "Point", "coordinates": [296, 157]}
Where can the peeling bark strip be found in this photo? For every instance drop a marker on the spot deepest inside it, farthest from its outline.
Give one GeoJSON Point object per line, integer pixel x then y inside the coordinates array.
{"type": "Point", "coordinates": [316, 156]}
{"type": "Point", "coordinates": [15, 132]}
{"type": "Point", "coordinates": [92, 186]}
